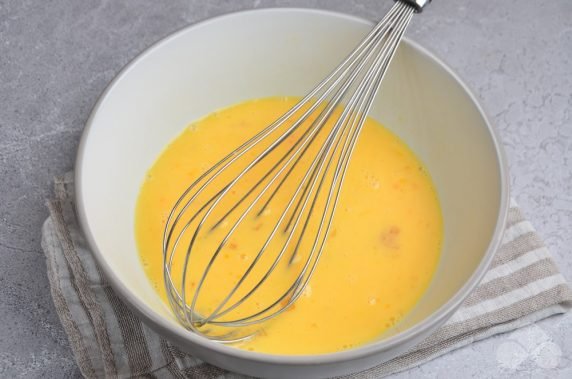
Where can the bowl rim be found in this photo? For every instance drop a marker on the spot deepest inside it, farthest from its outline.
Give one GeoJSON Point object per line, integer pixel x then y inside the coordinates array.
{"type": "Point", "coordinates": [182, 336]}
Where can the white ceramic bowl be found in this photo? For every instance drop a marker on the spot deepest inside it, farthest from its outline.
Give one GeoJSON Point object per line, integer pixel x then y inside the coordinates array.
{"type": "Point", "coordinates": [261, 53]}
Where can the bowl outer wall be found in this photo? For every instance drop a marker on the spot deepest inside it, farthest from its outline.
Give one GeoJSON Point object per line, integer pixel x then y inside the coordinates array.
{"type": "Point", "coordinates": [254, 363]}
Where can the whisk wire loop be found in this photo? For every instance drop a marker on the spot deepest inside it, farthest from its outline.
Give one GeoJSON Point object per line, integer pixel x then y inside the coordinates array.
{"type": "Point", "coordinates": [354, 83]}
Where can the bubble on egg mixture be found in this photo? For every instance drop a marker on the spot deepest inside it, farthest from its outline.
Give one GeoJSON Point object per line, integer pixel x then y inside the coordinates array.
{"type": "Point", "coordinates": [372, 181]}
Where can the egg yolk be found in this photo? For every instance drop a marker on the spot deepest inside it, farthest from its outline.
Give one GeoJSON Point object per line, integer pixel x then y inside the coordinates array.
{"type": "Point", "coordinates": [380, 255]}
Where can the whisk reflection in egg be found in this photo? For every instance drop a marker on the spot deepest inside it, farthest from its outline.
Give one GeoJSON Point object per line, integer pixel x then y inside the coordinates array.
{"type": "Point", "coordinates": [307, 150]}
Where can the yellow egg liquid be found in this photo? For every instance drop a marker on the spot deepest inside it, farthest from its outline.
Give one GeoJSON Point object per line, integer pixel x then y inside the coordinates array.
{"type": "Point", "coordinates": [379, 258]}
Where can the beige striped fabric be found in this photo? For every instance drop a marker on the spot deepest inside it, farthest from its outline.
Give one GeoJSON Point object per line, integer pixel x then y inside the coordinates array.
{"type": "Point", "coordinates": [522, 286]}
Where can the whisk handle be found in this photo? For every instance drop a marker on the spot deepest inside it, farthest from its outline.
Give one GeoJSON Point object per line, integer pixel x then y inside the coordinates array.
{"type": "Point", "coordinates": [417, 4]}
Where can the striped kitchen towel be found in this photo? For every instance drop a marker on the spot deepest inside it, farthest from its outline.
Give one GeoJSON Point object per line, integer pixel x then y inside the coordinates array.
{"type": "Point", "coordinates": [522, 286]}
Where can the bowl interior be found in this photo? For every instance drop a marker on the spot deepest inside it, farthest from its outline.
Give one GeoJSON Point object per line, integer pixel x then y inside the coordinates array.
{"type": "Point", "coordinates": [259, 54]}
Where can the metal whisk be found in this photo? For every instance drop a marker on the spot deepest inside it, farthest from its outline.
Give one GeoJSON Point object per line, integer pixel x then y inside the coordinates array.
{"type": "Point", "coordinates": [294, 168]}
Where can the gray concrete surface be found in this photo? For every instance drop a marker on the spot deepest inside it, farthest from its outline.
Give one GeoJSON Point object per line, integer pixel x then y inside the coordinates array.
{"type": "Point", "coordinates": [57, 56]}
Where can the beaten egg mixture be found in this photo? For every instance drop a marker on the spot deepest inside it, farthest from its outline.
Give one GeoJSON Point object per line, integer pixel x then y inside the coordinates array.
{"type": "Point", "coordinates": [380, 256]}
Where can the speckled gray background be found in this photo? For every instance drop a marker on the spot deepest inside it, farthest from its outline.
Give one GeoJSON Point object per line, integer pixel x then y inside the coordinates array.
{"type": "Point", "coordinates": [57, 56]}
